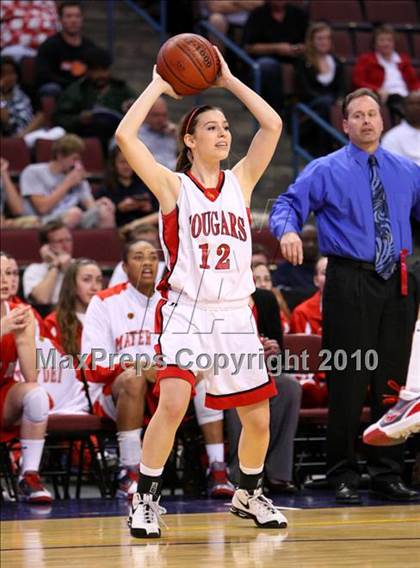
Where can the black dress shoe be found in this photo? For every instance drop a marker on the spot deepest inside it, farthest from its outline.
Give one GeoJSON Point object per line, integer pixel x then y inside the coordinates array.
{"type": "Point", "coordinates": [394, 491]}
{"type": "Point", "coordinates": [281, 487]}
{"type": "Point", "coordinates": [347, 495]}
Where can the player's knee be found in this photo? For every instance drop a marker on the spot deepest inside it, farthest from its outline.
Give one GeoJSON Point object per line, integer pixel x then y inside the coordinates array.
{"type": "Point", "coordinates": [35, 405]}
{"type": "Point", "coordinates": [173, 411]}
{"type": "Point", "coordinates": [259, 424]}
{"type": "Point", "coordinates": [133, 385]}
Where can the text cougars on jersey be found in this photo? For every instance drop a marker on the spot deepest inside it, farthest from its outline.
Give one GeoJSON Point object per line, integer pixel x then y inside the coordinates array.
{"type": "Point", "coordinates": [218, 223]}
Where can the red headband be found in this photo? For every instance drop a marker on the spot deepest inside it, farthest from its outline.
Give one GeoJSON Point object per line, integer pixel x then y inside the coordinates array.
{"type": "Point", "coordinates": [192, 114]}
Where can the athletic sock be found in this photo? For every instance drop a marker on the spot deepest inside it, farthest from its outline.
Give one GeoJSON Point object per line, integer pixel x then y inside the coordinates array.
{"type": "Point", "coordinates": [130, 447]}
{"type": "Point", "coordinates": [31, 454]}
{"type": "Point", "coordinates": [215, 452]}
{"type": "Point", "coordinates": [250, 479]}
{"type": "Point", "coordinates": [413, 376]}
{"type": "Point", "coordinates": [150, 480]}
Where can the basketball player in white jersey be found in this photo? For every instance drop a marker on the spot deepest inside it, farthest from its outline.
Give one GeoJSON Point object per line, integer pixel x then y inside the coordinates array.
{"type": "Point", "coordinates": [204, 312]}
{"type": "Point", "coordinates": [403, 419]}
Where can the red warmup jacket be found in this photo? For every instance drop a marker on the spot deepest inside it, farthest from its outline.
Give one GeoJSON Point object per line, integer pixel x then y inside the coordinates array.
{"type": "Point", "coordinates": [370, 74]}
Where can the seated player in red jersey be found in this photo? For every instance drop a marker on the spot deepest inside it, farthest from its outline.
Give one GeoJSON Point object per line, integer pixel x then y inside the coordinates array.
{"type": "Point", "coordinates": [307, 316]}
{"type": "Point", "coordinates": [23, 406]}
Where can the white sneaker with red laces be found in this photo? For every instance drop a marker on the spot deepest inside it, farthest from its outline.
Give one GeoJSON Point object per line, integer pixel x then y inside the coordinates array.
{"type": "Point", "coordinates": [402, 420]}
{"type": "Point", "coordinates": [218, 484]}
{"type": "Point", "coordinates": [257, 507]}
{"type": "Point", "coordinates": [31, 489]}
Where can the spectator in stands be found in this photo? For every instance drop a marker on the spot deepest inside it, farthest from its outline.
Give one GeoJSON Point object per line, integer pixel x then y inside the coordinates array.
{"type": "Point", "coordinates": [123, 187]}
{"type": "Point", "coordinates": [59, 189]}
{"type": "Point", "coordinates": [284, 407]}
{"type": "Point", "coordinates": [138, 232]}
{"type": "Point", "coordinates": [224, 15]}
{"type": "Point", "coordinates": [262, 279]}
{"type": "Point", "coordinates": [320, 83]}
{"type": "Point", "coordinates": [274, 34]}
{"type": "Point", "coordinates": [259, 255]}
{"type": "Point", "coordinates": [364, 225]}
{"type": "Point", "coordinates": [404, 139]}
{"type": "Point", "coordinates": [159, 134]}
{"type": "Point", "coordinates": [23, 406]}
{"type": "Point", "coordinates": [42, 280]}
{"type": "Point", "coordinates": [16, 113]}
{"type": "Point", "coordinates": [25, 24]}
{"type": "Point", "coordinates": [307, 316]}
{"type": "Point", "coordinates": [94, 104]}
{"type": "Point", "coordinates": [9, 195]}
{"type": "Point", "coordinates": [297, 282]}
{"type": "Point", "coordinates": [61, 59]}
{"type": "Point", "coordinates": [388, 73]}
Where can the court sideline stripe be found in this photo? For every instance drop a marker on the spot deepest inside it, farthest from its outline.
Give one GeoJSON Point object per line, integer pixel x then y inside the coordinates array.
{"type": "Point", "coordinates": [163, 542]}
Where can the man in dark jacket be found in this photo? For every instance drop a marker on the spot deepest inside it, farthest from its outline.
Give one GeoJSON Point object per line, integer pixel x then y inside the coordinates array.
{"type": "Point", "coordinates": [94, 105]}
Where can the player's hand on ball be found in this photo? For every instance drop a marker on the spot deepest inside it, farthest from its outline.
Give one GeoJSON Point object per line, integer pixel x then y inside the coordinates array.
{"type": "Point", "coordinates": [168, 90]}
{"type": "Point", "coordinates": [225, 73]}
{"type": "Point", "coordinates": [291, 248]}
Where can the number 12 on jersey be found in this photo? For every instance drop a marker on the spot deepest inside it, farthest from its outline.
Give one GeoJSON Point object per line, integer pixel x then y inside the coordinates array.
{"type": "Point", "coordinates": [223, 252]}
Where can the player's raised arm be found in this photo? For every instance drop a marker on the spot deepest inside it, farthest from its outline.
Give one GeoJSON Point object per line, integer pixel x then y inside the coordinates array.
{"type": "Point", "coordinates": [250, 169]}
{"type": "Point", "coordinates": [162, 182]}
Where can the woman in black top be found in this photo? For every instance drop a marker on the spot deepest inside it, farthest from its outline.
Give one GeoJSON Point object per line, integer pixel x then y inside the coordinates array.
{"type": "Point", "coordinates": [131, 197]}
{"type": "Point", "coordinates": [320, 80]}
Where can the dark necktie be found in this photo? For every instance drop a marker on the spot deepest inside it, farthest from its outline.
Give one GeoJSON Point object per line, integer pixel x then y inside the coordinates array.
{"type": "Point", "coordinates": [384, 241]}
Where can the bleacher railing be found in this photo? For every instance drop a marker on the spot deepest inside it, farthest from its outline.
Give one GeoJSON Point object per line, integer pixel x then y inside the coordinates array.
{"type": "Point", "coordinates": [299, 152]}
{"type": "Point", "coordinates": [157, 25]}
{"type": "Point", "coordinates": [253, 65]}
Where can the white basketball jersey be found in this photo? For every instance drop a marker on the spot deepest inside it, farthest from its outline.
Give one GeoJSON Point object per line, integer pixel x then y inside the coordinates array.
{"type": "Point", "coordinates": [207, 242]}
{"type": "Point", "coordinates": [119, 320]}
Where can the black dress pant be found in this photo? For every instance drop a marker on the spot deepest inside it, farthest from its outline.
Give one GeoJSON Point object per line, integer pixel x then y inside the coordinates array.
{"type": "Point", "coordinates": [363, 312]}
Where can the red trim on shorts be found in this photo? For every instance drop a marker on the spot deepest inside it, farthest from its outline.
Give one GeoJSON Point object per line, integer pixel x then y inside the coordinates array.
{"type": "Point", "coordinates": [251, 396]}
{"type": "Point", "coordinates": [170, 234]}
{"type": "Point", "coordinates": [174, 372]}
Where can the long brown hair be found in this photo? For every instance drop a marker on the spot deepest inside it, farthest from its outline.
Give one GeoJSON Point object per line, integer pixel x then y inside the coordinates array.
{"type": "Point", "coordinates": [111, 180]}
{"type": "Point", "coordinates": [67, 319]}
{"type": "Point", "coordinates": [310, 53]}
{"type": "Point", "coordinates": [188, 124]}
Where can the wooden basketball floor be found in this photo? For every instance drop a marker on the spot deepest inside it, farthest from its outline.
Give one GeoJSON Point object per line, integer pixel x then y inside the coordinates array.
{"type": "Point", "coordinates": [366, 537]}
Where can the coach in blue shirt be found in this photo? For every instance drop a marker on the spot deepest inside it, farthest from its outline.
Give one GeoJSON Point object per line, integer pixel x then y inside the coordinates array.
{"type": "Point", "coordinates": [362, 197]}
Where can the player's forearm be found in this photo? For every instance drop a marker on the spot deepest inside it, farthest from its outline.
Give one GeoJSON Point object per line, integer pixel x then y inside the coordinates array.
{"type": "Point", "coordinates": [42, 292]}
{"type": "Point", "coordinates": [25, 346]}
{"type": "Point", "coordinates": [138, 111]}
{"type": "Point", "coordinates": [261, 110]}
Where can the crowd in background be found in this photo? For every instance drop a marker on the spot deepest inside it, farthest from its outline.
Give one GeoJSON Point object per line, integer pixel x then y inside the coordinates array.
{"type": "Point", "coordinates": [74, 78]}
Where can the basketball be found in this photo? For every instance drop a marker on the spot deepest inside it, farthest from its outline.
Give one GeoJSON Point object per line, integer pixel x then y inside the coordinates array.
{"type": "Point", "coordinates": [189, 63]}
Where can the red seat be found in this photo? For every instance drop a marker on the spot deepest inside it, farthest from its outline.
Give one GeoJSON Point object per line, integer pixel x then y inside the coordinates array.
{"type": "Point", "coordinates": [272, 246]}
{"type": "Point", "coordinates": [343, 46]}
{"type": "Point", "coordinates": [391, 11]}
{"type": "Point", "coordinates": [306, 348]}
{"type": "Point", "coordinates": [348, 11]}
{"type": "Point", "coordinates": [92, 156]}
{"type": "Point", "coordinates": [28, 73]}
{"type": "Point", "coordinates": [16, 152]}
{"type": "Point", "coordinates": [364, 42]}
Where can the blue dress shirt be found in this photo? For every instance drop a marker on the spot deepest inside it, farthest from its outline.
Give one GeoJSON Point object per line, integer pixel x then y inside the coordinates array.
{"type": "Point", "coordinates": [336, 188]}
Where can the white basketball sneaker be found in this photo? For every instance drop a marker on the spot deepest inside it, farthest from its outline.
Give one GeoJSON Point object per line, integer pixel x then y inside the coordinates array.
{"type": "Point", "coordinates": [144, 519]}
{"type": "Point", "coordinates": [257, 507]}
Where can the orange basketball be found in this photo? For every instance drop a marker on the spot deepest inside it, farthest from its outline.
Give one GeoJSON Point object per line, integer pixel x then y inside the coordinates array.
{"type": "Point", "coordinates": [189, 63]}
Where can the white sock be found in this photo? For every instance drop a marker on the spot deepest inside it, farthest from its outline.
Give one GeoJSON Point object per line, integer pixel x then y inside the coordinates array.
{"type": "Point", "coordinates": [130, 447]}
{"type": "Point", "coordinates": [215, 452]}
{"type": "Point", "coordinates": [150, 472]}
{"type": "Point", "coordinates": [251, 470]}
{"type": "Point", "coordinates": [31, 454]}
{"type": "Point", "coordinates": [413, 376]}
